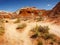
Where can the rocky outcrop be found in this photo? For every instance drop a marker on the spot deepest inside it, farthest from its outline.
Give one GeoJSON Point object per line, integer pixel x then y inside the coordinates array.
{"type": "Point", "coordinates": [55, 12]}
{"type": "Point", "coordinates": [31, 12]}
{"type": "Point", "coordinates": [7, 15]}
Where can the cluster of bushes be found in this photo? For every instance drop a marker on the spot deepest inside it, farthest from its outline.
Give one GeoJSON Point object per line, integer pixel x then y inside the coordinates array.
{"type": "Point", "coordinates": [42, 32]}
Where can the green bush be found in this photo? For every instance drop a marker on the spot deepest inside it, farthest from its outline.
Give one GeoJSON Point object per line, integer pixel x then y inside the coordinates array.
{"type": "Point", "coordinates": [1, 20]}
{"type": "Point", "coordinates": [36, 32]}
{"type": "Point", "coordinates": [1, 30]}
{"type": "Point", "coordinates": [21, 26]}
{"type": "Point", "coordinates": [43, 29]}
{"type": "Point", "coordinates": [34, 36]}
{"type": "Point", "coordinates": [39, 30]}
{"type": "Point", "coordinates": [48, 36]}
{"type": "Point", "coordinates": [17, 21]}
{"type": "Point", "coordinates": [40, 19]}
{"type": "Point", "coordinates": [40, 43]}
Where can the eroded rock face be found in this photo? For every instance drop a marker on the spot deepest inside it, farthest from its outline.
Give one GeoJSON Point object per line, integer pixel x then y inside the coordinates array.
{"type": "Point", "coordinates": [55, 11]}
{"type": "Point", "coordinates": [31, 12]}
{"type": "Point", "coordinates": [54, 14]}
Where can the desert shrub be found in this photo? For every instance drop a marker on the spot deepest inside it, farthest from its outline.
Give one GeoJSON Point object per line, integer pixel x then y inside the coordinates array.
{"type": "Point", "coordinates": [17, 21]}
{"type": "Point", "coordinates": [54, 39]}
{"type": "Point", "coordinates": [34, 36]}
{"type": "Point", "coordinates": [51, 43]}
{"type": "Point", "coordinates": [40, 19]}
{"type": "Point", "coordinates": [36, 32]}
{"type": "Point", "coordinates": [58, 42]}
{"type": "Point", "coordinates": [40, 43]}
{"type": "Point", "coordinates": [1, 30]}
{"type": "Point", "coordinates": [6, 21]}
{"type": "Point", "coordinates": [48, 36]}
{"type": "Point", "coordinates": [25, 19]}
{"type": "Point", "coordinates": [21, 26]}
{"type": "Point", "coordinates": [39, 30]}
{"type": "Point", "coordinates": [1, 20]}
{"type": "Point", "coordinates": [43, 29]}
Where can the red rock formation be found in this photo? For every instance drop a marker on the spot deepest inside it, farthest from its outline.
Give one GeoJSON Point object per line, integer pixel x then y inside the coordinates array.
{"type": "Point", "coordinates": [55, 12]}
{"type": "Point", "coordinates": [31, 11]}
{"type": "Point", "coordinates": [7, 15]}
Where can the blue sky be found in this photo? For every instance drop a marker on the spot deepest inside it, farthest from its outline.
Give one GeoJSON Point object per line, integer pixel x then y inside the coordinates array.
{"type": "Point", "coordinates": [13, 5]}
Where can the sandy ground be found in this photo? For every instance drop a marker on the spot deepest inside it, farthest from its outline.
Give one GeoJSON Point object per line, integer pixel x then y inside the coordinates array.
{"type": "Point", "coordinates": [13, 37]}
